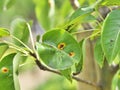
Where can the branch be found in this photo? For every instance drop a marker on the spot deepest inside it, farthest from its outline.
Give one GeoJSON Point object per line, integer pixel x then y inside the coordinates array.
{"type": "Point", "coordinates": [42, 67]}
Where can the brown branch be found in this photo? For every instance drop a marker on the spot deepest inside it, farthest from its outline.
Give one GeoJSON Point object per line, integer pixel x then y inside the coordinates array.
{"type": "Point", "coordinates": [44, 68]}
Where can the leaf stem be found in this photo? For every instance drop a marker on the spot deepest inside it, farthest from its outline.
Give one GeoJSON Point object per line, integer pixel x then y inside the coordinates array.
{"type": "Point", "coordinates": [84, 31]}
{"type": "Point", "coordinates": [33, 45]}
{"type": "Point", "coordinates": [31, 36]}
{"type": "Point", "coordinates": [22, 43]}
{"type": "Point", "coordinates": [15, 47]}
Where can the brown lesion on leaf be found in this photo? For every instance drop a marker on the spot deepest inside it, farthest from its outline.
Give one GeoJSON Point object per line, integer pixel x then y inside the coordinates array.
{"type": "Point", "coordinates": [71, 54]}
{"type": "Point", "coordinates": [61, 46]}
{"type": "Point", "coordinates": [4, 70]}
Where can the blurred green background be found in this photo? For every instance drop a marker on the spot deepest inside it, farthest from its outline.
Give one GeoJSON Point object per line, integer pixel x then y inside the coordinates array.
{"type": "Point", "coordinates": [27, 9]}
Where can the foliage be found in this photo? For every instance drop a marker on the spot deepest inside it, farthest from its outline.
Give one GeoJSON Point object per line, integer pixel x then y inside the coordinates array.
{"type": "Point", "coordinates": [59, 48]}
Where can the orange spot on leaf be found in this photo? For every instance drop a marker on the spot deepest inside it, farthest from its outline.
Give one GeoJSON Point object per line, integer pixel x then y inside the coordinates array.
{"type": "Point", "coordinates": [61, 46]}
{"type": "Point", "coordinates": [4, 70]}
{"type": "Point", "coordinates": [71, 54]}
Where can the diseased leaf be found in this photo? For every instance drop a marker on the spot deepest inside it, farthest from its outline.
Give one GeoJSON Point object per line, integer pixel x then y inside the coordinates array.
{"type": "Point", "coordinates": [53, 57]}
{"type": "Point", "coordinates": [3, 48]}
{"type": "Point", "coordinates": [110, 36]}
{"type": "Point", "coordinates": [4, 32]}
{"type": "Point", "coordinates": [67, 73]}
{"type": "Point", "coordinates": [20, 30]}
{"type": "Point", "coordinates": [98, 53]}
{"type": "Point", "coordinates": [6, 73]}
{"type": "Point", "coordinates": [9, 71]}
{"type": "Point", "coordinates": [61, 48]}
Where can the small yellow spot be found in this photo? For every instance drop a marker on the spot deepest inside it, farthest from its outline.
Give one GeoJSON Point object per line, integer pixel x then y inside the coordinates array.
{"type": "Point", "coordinates": [71, 54]}
{"type": "Point", "coordinates": [61, 46]}
{"type": "Point", "coordinates": [4, 70]}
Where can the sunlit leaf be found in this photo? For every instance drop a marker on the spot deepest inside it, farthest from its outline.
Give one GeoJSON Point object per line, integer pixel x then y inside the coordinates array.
{"type": "Point", "coordinates": [6, 73]}
{"type": "Point", "coordinates": [3, 48]}
{"type": "Point", "coordinates": [16, 61]}
{"type": "Point", "coordinates": [4, 32]}
{"type": "Point", "coordinates": [61, 48]}
{"type": "Point", "coordinates": [116, 81]}
{"type": "Point", "coordinates": [111, 35]}
{"type": "Point", "coordinates": [110, 2]}
{"type": "Point", "coordinates": [20, 30]}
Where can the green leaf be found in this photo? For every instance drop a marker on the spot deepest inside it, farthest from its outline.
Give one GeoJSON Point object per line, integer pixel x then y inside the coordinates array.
{"type": "Point", "coordinates": [16, 61]}
{"type": "Point", "coordinates": [116, 81]}
{"type": "Point", "coordinates": [79, 65]}
{"type": "Point", "coordinates": [110, 36]}
{"type": "Point", "coordinates": [43, 13]}
{"type": "Point", "coordinates": [6, 73]}
{"type": "Point", "coordinates": [6, 4]}
{"type": "Point", "coordinates": [67, 74]}
{"type": "Point", "coordinates": [3, 48]}
{"type": "Point", "coordinates": [20, 30]}
{"type": "Point", "coordinates": [80, 15]}
{"type": "Point", "coordinates": [59, 49]}
{"type": "Point", "coordinates": [110, 2]}
{"type": "Point", "coordinates": [4, 32]}
{"type": "Point", "coordinates": [98, 53]}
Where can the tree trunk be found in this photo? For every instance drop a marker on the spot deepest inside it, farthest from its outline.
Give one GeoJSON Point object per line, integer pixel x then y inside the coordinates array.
{"type": "Point", "coordinates": [89, 68]}
{"type": "Point", "coordinates": [92, 72]}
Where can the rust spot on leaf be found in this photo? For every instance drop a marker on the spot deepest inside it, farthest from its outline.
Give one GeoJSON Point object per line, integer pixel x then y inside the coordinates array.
{"type": "Point", "coordinates": [61, 46]}
{"type": "Point", "coordinates": [4, 70]}
{"type": "Point", "coordinates": [71, 54]}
